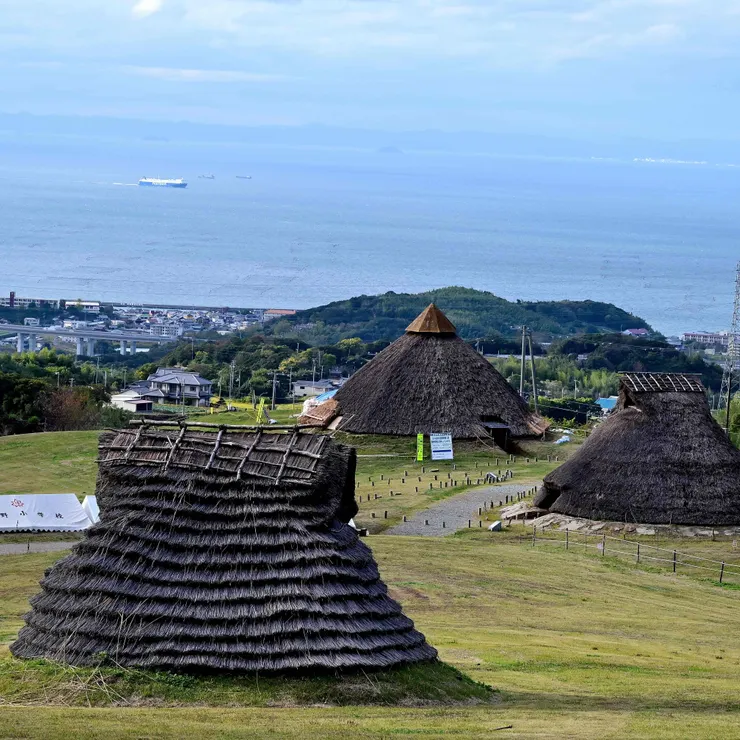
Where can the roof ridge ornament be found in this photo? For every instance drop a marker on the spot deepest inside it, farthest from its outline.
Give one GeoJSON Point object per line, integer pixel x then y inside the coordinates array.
{"type": "Point", "coordinates": [431, 321]}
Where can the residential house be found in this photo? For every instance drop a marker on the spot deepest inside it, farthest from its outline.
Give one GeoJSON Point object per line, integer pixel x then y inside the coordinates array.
{"type": "Point", "coordinates": [175, 385]}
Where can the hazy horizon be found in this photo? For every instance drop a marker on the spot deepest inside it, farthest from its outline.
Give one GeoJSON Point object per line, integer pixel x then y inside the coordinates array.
{"type": "Point", "coordinates": [575, 69]}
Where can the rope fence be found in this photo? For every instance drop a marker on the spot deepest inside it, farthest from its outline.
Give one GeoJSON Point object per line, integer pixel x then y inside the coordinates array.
{"type": "Point", "coordinates": [638, 552]}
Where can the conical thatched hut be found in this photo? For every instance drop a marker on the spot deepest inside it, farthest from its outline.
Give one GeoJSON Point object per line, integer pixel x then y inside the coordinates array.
{"type": "Point", "coordinates": [429, 380]}
{"type": "Point", "coordinates": [660, 458]}
{"type": "Point", "coordinates": [221, 553]}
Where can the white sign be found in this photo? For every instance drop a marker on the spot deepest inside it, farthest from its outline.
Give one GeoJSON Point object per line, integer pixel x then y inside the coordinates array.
{"type": "Point", "coordinates": [42, 512]}
{"type": "Point", "coordinates": [441, 445]}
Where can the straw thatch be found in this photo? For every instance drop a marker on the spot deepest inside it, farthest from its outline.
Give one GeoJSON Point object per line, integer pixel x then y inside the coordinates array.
{"type": "Point", "coordinates": [221, 553]}
{"type": "Point", "coordinates": [660, 458]}
{"type": "Point", "coordinates": [429, 380]}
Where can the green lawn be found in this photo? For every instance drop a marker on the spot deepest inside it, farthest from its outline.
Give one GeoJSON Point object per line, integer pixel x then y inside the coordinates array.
{"type": "Point", "coordinates": [64, 462]}
{"type": "Point", "coordinates": [58, 462]}
{"type": "Point", "coordinates": [574, 646]}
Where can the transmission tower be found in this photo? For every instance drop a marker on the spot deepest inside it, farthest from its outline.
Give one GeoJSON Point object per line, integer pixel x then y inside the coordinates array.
{"type": "Point", "coordinates": [731, 374]}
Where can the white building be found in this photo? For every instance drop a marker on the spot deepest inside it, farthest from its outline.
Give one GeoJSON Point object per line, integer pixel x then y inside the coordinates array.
{"type": "Point", "coordinates": [91, 306]}
{"type": "Point", "coordinates": [307, 388]}
{"type": "Point", "coordinates": [165, 330]}
{"type": "Point", "coordinates": [14, 301]}
{"type": "Point", "coordinates": [130, 400]}
{"type": "Point", "coordinates": [707, 337]}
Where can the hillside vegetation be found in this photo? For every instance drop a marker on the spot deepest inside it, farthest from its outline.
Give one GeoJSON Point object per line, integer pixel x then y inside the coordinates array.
{"type": "Point", "coordinates": [475, 313]}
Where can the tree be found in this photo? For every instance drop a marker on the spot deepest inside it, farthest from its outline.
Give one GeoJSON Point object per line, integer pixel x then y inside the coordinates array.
{"type": "Point", "coordinates": [67, 409]}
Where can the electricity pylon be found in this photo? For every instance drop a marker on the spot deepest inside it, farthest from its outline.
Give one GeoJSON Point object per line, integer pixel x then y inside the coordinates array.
{"type": "Point", "coordinates": [731, 373]}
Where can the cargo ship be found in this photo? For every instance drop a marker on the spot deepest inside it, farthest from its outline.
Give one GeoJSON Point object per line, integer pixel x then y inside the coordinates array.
{"type": "Point", "coordinates": [159, 182]}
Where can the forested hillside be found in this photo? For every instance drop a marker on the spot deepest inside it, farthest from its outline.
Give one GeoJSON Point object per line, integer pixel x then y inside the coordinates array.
{"type": "Point", "coordinates": [475, 313]}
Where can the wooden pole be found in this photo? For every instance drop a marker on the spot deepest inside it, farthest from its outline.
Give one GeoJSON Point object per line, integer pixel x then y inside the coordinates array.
{"type": "Point", "coordinates": [674, 561]}
{"type": "Point", "coordinates": [722, 571]}
{"type": "Point", "coordinates": [534, 375]}
{"type": "Point", "coordinates": [523, 366]}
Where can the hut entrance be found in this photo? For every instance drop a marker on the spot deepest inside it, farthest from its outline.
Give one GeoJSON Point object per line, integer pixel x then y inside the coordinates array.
{"type": "Point", "coordinates": [498, 431]}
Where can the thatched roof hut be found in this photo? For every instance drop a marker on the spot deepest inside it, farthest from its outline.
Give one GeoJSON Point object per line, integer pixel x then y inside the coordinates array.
{"type": "Point", "coordinates": [429, 380]}
{"type": "Point", "coordinates": [660, 458]}
{"type": "Point", "coordinates": [225, 552]}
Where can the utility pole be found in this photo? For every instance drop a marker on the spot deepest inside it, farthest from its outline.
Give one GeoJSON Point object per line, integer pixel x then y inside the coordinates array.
{"type": "Point", "coordinates": [732, 364]}
{"type": "Point", "coordinates": [534, 375]}
{"type": "Point", "coordinates": [232, 368]}
{"type": "Point", "coordinates": [524, 361]}
{"type": "Point", "coordinates": [274, 389]}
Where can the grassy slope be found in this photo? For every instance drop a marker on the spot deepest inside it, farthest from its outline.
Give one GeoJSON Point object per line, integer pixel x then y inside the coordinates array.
{"type": "Point", "coordinates": [61, 462]}
{"type": "Point", "coordinates": [576, 646]}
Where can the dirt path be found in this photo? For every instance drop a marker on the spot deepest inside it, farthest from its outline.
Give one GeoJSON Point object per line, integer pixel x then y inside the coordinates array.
{"type": "Point", "coordinates": [455, 511]}
{"type": "Point", "coordinates": [21, 548]}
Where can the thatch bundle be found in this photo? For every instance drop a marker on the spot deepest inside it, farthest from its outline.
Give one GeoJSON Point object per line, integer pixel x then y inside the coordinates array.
{"type": "Point", "coordinates": [428, 380]}
{"type": "Point", "coordinates": [659, 459]}
{"type": "Point", "coordinates": [225, 553]}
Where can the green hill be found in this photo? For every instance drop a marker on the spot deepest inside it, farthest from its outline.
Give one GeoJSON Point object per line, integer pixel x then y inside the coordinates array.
{"type": "Point", "coordinates": [475, 313]}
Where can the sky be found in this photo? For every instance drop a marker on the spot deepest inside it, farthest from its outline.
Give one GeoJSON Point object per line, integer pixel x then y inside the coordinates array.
{"type": "Point", "coordinates": [663, 69]}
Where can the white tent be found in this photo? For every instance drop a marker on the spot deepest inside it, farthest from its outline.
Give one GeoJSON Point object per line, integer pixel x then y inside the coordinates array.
{"type": "Point", "coordinates": [42, 512]}
{"type": "Point", "coordinates": [90, 507]}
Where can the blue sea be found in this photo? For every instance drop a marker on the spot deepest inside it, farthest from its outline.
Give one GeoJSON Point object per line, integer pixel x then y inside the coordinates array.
{"type": "Point", "coordinates": [317, 225]}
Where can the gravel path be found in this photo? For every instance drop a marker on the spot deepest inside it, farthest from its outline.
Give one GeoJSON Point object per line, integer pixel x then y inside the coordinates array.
{"type": "Point", "coordinates": [21, 548]}
{"type": "Point", "coordinates": [455, 511]}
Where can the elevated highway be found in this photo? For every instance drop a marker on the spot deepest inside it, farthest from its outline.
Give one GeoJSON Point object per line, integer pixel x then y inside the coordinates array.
{"type": "Point", "coordinates": [86, 338]}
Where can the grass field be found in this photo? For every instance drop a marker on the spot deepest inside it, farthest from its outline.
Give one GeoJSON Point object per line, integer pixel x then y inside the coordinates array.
{"type": "Point", "coordinates": [59, 462]}
{"type": "Point", "coordinates": [573, 644]}
{"type": "Point", "coordinates": [575, 647]}
{"type": "Point", "coordinates": [64, 462]}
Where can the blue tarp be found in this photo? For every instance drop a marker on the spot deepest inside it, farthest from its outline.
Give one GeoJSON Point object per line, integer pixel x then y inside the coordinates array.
{"type": "Point", "coordinates": [326, 396]}
{"type": "Point", "coordinates": [607, 404]}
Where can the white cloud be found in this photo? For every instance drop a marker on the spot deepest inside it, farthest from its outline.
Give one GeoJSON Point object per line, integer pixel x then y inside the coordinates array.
{"type": "Point", "coordinates": [171, 74]}
{"type": "Point", "coordinates": [144, 8]}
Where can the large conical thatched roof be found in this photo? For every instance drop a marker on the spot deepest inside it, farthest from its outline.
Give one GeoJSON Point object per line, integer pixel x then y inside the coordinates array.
{"type": "Point", "coordinates": [226, 553]}
{"type": "Point", "coordinates": [660, 458]}
{"type": "Point", "coordinates": [429, 380]}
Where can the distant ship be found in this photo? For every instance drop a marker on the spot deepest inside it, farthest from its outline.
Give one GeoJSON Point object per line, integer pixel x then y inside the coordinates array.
{"type": "Point", "coordinates": [163, 182]}
{"type": "Point", "coordinates": [207, 177]}
{"type": "Point", "coordinates": [243, 177]}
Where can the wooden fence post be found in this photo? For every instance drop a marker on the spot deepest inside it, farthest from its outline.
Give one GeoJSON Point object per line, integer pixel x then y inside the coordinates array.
{"type": "Point", "coordinates": [722, 571]}
{"type": "Point", "coordinates": [534, 535]}
{"type": "Point", "coordinates": [566, 539]}
{"type": "Point", "coordinates": [638, 552]}
{"type": "Point", "coordinates": [674, 561]}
